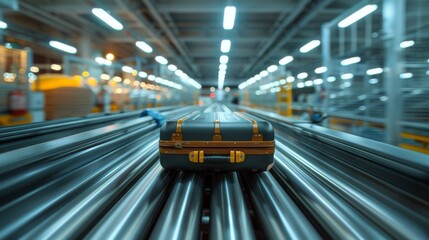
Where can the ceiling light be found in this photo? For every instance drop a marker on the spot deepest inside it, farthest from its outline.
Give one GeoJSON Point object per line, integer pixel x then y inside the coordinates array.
{"type": "Point", "coordinates": [151, 77]}
{"type": "Point", "coordinates": [257, 77]}
{"type": "Point", "coordinates": [178, 72]}
{"type": "Point", "coordinates": [225, 46]}
{"type": "Point", "coordinates": [406, 44]}
{"type": "Point", "coordinates": [373, 81]}
{"type": "Point", "coordinates": [161, 60]}
{"type": "Point", "coordinates": [172, 67]}
{"type": "Point", "coordinates": [104, 76]}
{"type": "Point", "coordinates": [272, 68]}
{"type": "Point", "coordinates": [3, 25]}
{"type": "Point", "coordinates": [356, 16]}
{"type": "Point", "coordinates": [347, 76]}
{"type": "Point", "coordinates": [350, 61]}
{"type": "Point", "coordinates": [242, 85]}
{"type": "Point", "coordinates": [222, 72]}
{"type": "Point", "coordinates": [406, 75]}
{"type": "Point", "coordinates": [286, 60]}
{"type": "Point", "coordinates": [127, 69]}
{"type": "Point", "coordinates": [223, 67]}
{"type": "Point", "coordinates": [309, 46]}
{"type": "Point", "coordinates": [56, 67]}
{"type": "Point", "coordinates": [318, 81]}
{"type": "Point", "coordinates": [103, 61]}
{"type": "Point", "coordinates": [110, 56]}
{"type": "Point", "coordinates": [374, 71]}
{"type": "Point", "coordinates": [142, 74]}
{"type": "Point", "coordinates": [144, 47]}
{"type": "Point", "coordinates": [300, 85]}
{"type": "Point", "coordinates": [290, 79]}
{"type": "Point", "coordinates": [308, 83]}
{"type": "Point", "coordinates": [263, 73]}
{"type": "Point", "coordinates": [302, 75]}
{"type": "Point", "coordinates": [63, 47]}
{"type": "Point", "coordinates": [227, 89]}
{"type": "Point", "coordinates": [331, 79]}
{"type": "Point", "coordinates": [223, 59]}
{"type": "Point", "coordinates": [320, 70]}
{"type": "Point", "coordinates": [229, 17]}
{"type": "Point", "coordinates": [107, 18]}
{"type": "Point", "coordinates": [34, 69]}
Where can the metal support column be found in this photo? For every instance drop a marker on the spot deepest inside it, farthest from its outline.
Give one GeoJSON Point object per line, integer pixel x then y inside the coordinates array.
{"type": "Point", "coordinates": [326, 60]}
{"type": "Point", "coordinates": [393, 28]}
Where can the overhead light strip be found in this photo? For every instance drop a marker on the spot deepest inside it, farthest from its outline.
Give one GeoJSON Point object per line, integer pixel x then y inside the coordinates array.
{"type": "Point", "coordinates": [107, 18]}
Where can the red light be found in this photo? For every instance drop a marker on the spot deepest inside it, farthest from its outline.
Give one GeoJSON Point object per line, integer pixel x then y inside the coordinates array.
{"type": "Point", "coordinates": [212, 95]}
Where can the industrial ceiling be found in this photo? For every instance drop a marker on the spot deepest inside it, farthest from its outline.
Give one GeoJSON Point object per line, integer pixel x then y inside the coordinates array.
{"type": "Point", "coordinates": [187, 32]}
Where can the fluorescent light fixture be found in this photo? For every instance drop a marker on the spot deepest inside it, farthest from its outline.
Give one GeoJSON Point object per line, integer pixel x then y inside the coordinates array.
{"type": "Point", "coordinates": [282, 81]}
{"type": "Point", "coordinates": [263, 73]}
{"type": "Point", "coordinates": [223, 66]}
{"type": "Point", "coordinates": [127, 81]}
{"type": "Point", "coordinates": [308, 83]}
{"type": "Point", "coordinates": [374, 71]}
{"type": "Point", "coordinates": [229, 17]}
{"type": "Point", "coordinates": [178, 72]}
{"type": "Point", "coordinates": [331, 79]}
{"type": "Point", "coordinates": [223, 59]}
{"type": "Point", "coordinates": [257, 77]}
{"type": "Point", "coordinates": [383, 98]}
{"type": "Point", "coordinates": [110, 56]}
{"type": "Point", "coordinates": [172, 67]}
{"type": "Point", "coordinates": [151, 77]}
{"type": "Point", "coordinates": [290, 79]}
{"type": "Point", "coordinates": [212, 89]}
{"type": "Point", "coordinates": [142, 74]}
{"type": "Point", "coordinates": [302, 75]}
{"type": "Point", "coordinates": [427, 72]}
{"type": "Point", "coordinates": [222, 72]}
{"type": "Point", "coordinates": [161, 60]}
{"type": "Point", "coordinates": [225, 46]}
{"type": "Point", "coordinates": [272, 68]}
{"type": "Point", "coordinates": [34, 69]}
{"type": "Point", "coordinates": [103, 61]}
{"type": "Point", "coordinates": [144, 47]}
{"type": "Point", "coordinates": [56, 67]}
{"type": "Point", "coordinates": [227, 89]}
{"type": "Point", "coordinates": [373, 81]}
{"type": "Point", "coordinates": [104, 76]}
{"type": "Point", "coordinates": [320, 70]}
{"type": "Point", "coordinates": [3, 25]}
{"type": "Point", "coordinates": [286, 60]}
{"type": "Point", "coordinates": [406, 75]}
{"type": "Point", "coordinates": [309, 46]}
{"type": "Point", "coordinates": [63, 47]}
{"type": "Point", "coordinates": [356, 16]}
{"type": "Point", "coordinates": [300, 85]}
{"type": "Point", "coordinates": [350, 61]}
{"type": "Point", "coordinates": [107, 18]}
{"type": "Point", "coordinates": [406, 44]}
{"type": "Point", "coordinates": [117, 79]}
{"type": "Point", "coordinates": [318, 81]}
{"type": "Point", "coordinates": [127, 69]}
{"type": "Point", "coordinates": [347, 76]}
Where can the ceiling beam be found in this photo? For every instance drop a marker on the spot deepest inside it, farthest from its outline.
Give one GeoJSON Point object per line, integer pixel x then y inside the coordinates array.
{"type": "Point", "coordinates": [218, 39]}
{"type": "Point", "coordinates": [183, 52]}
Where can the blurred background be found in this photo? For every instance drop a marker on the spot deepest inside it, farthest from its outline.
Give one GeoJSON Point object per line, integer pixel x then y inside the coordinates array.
{"type": "Point", "coordinates": [365, 64]}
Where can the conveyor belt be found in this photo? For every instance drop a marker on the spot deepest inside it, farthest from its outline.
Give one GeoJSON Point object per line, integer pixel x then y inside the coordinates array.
{"type": "Point", "coordinates": [107, 183]}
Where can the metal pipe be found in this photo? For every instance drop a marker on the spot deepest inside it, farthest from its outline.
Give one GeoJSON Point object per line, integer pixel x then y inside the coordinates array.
{"type": "Point", "coordinates": [379, 202]}
{"type": "Point", "coordinates": [29, 178]}
{"type": "Point", "coordinates": [111, 171]}
{"type": "Point", "coordinates": [133, 216]}
{"type": "Point", "coordinates": [278, 215]}
{"type": "Point", "coordinates": [229, 216]}
{"type": "Point", "coordinates": [330, 212]}
{"type": "Point", "coordinates": [73, 218]}
{"type": "Point", "coordinates": [181, 216]}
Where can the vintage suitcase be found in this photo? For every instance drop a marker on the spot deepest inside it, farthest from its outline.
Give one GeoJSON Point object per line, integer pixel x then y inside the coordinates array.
{"type": "Point", "coordinates": [218, 141]}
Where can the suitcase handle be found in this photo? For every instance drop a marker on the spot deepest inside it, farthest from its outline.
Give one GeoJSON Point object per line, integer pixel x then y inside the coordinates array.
{"type": "Point", "coordinates": [234, 157]}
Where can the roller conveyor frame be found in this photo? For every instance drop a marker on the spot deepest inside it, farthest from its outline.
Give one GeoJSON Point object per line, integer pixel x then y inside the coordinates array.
{"type": "Point", "coordinates": [302, 197]}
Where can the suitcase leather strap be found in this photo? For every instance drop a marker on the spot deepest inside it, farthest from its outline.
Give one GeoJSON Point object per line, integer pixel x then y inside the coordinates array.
{"type": "Point", "coordinates": [177, 136]}
{"type": "Point", "coordinates": [256, 135]}
{"type": "Point", "coordinates": [217, 136]}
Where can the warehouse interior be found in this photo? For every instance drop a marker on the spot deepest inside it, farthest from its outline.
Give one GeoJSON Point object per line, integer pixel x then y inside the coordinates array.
{"type": "Point", "coordinates": [85, 86]}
